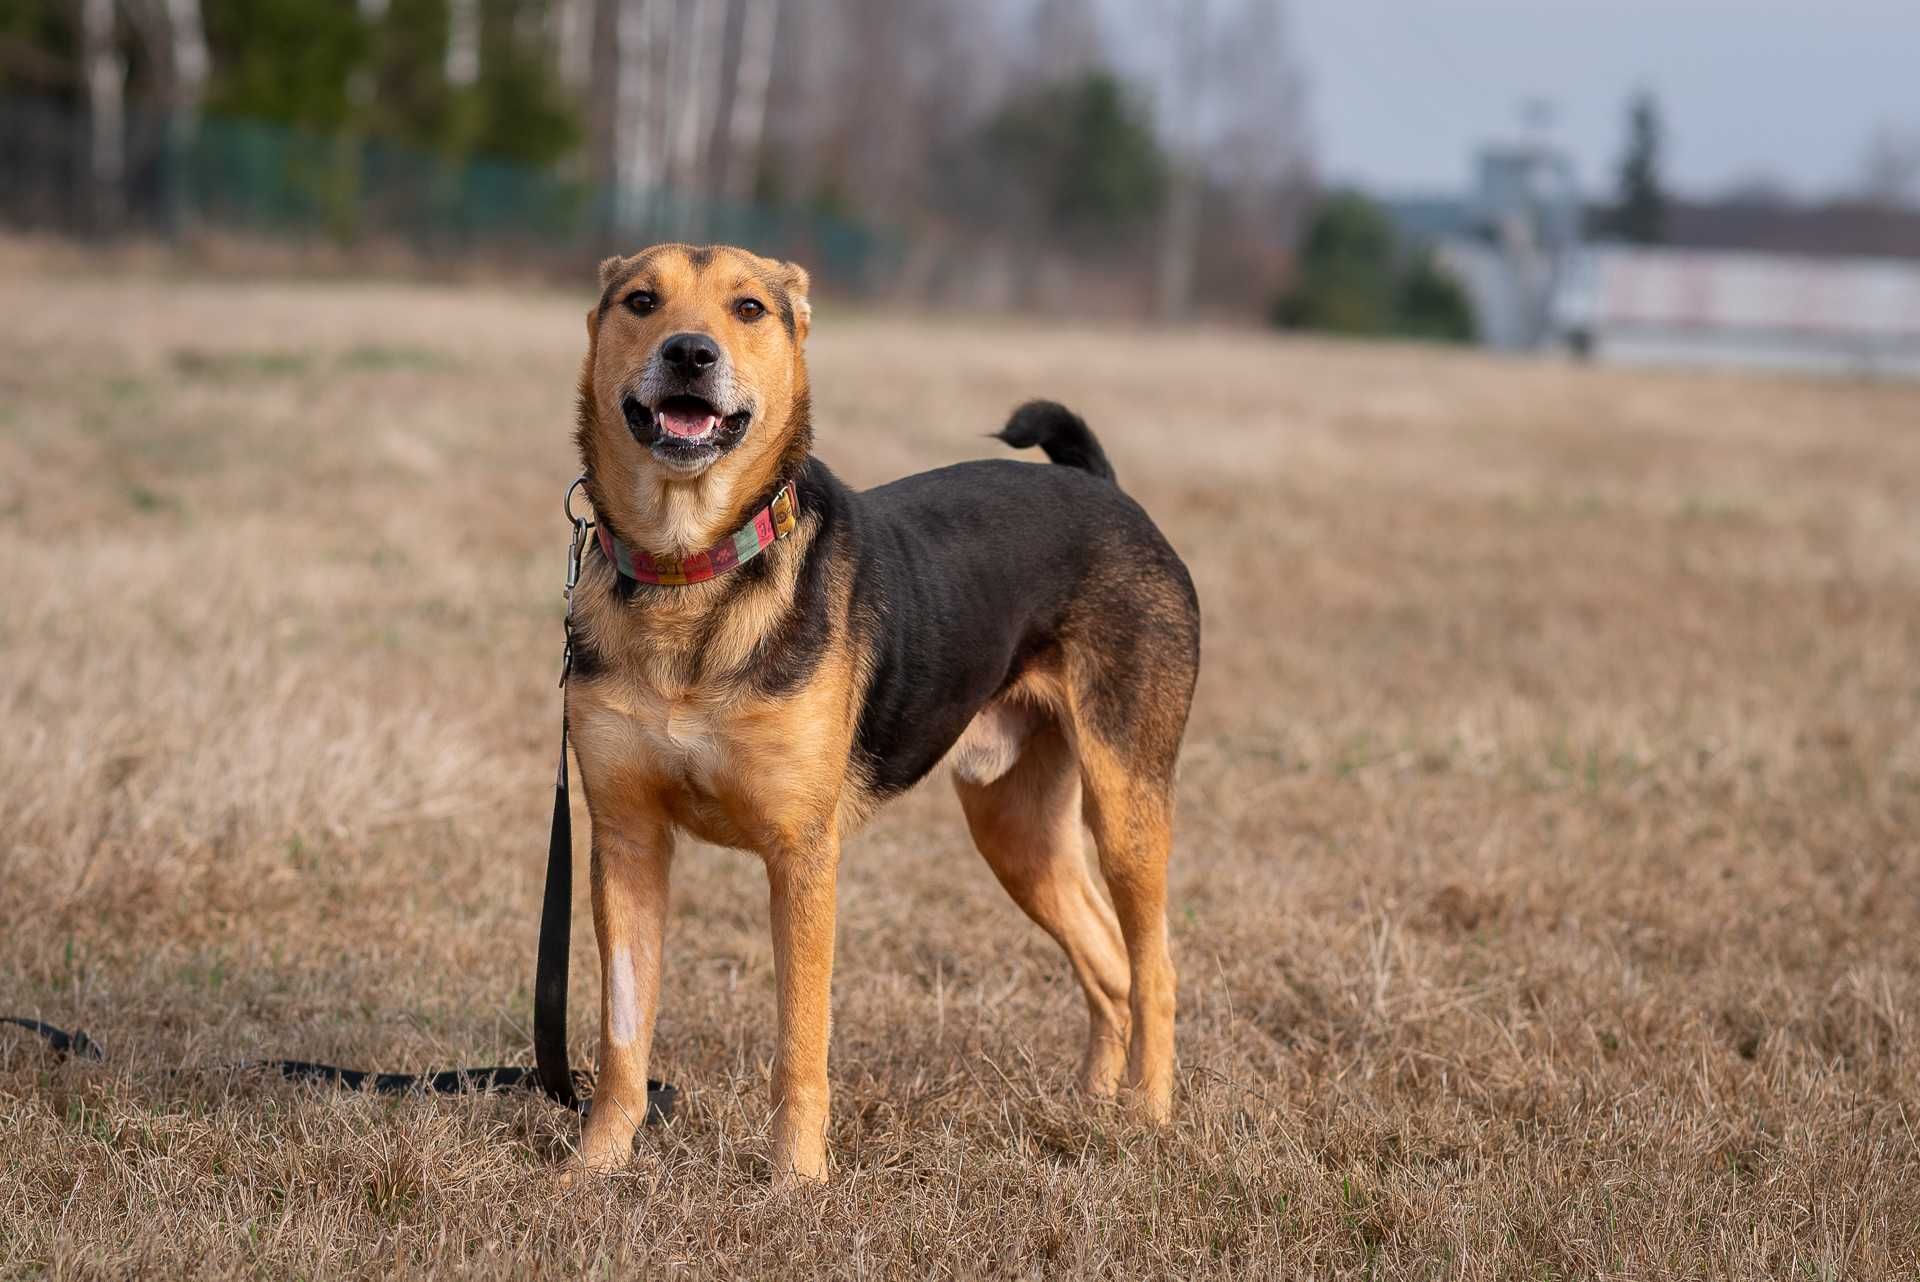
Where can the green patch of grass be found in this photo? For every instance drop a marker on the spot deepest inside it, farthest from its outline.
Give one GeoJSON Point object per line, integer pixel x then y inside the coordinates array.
{"type": "Point", "coordinates": [1355, 755]}
{"type": "Point", "coordinates": [1700, 511]}
{"type": "Point", "coordinates": [300, 855]}
{"type": "Point", "coordinates": [380, 356]}
{"type": "Point", "coordinates": [233, 365]}
{"type": "Point", "coordinates": [1585, 505]}
{"type": "Point", "coordinates": [125, 389]}
{"type": "Point", "coordinates": [143, 498]}
{"type": "Point", "coordinates": [210, 975]}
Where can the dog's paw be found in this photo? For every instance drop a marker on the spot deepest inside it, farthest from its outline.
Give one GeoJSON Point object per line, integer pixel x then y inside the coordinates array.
{"type": "Point", "coordinates": [1150, 1102]}
{"type": "Point", "coordinates": [799, 1162]}
{"type": "Point", "coordinates": [1102, 1067]}
{"type": "Point", "coordinates": [787, 1179]}
{"type": "Point", "coordinates": [600, 1155]}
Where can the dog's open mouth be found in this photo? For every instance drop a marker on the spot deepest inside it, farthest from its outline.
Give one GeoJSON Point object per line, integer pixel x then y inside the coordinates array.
{"type": "Point", "coordinates": [685, 430]}
{"type": "Point", "coordinates": [687, 417]}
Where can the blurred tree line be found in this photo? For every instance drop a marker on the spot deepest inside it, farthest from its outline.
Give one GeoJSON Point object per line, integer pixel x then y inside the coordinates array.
{"type": "Point", "coordinates": [1119, 155]}
{"type": "Point", "coordinates": [395, 71]}
{"type": "Point", "coordinates": [1139, 153]}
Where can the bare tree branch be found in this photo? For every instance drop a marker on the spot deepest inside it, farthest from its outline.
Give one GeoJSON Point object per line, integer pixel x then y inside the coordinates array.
{"type": "Point", "coordinates": [752, 73]}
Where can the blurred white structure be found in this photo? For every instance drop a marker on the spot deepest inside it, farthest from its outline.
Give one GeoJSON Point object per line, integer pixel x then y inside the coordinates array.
{"type": "Point", "coordinates": [1698, 307]}
{"type": "Point", "coordinates": [1514, 240]}
{"type": "Point", "coordinates": [1515, 244]}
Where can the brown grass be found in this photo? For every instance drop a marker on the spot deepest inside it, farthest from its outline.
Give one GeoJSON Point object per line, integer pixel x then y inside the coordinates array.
{"type": "Point", "coordinates": [1547, 893]}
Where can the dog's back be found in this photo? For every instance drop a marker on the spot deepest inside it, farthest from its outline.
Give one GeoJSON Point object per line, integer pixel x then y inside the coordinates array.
{"type": "Point", "coordinates": [975, 578]}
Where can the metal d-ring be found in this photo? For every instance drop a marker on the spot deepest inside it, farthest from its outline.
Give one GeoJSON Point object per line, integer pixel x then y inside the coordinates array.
{"type": "Point", "coordinates": [577, 545]}
{"type": "Point", "coordinates": [576, 549]}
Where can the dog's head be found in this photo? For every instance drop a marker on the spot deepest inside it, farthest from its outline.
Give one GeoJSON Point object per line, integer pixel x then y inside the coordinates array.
{"type": "Point", "coordinates": [693, 397]}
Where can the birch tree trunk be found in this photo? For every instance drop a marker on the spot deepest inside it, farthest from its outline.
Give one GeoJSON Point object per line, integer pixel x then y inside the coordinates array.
{"type": "Point", "coordinates": [190, 62]}
{"type": "Point", "coordinates": [637, 166]}
{"type": "Point", "coordinates": [752, 74]}
{"type": "Point", "coordinates": [571, 34]}
{"type": "Point", "coordinates": [1179, 233]}
{"type": "Point", "coordinates": [188, 65]}
{"type": "Point", "coordinates": [697, 61]}
{"type": "Point", "coordinates": [463, 42]}
{"type": "Point", "coordinates": [106, 78]}
{"type": "Point", "coordinates": [603, 99]}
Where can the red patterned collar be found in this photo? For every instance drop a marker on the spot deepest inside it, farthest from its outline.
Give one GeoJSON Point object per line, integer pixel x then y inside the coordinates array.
{"type": "Point", "coordinates": [769, 525]}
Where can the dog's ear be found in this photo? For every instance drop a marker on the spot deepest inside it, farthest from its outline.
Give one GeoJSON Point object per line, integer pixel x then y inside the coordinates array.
{"type": "Point", "coordinates": [611, 270]}
{"type": "Point", "coordinates": [798, 283]}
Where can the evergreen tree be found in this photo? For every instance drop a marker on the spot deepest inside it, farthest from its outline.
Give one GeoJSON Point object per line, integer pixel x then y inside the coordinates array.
{"type": "Point", "coordinates": [1345, 283]}
{"type": "Point", "coordinates": [1081, 152]}
{"type": "Point", "coordinates": [287, 61]}
{"type": "Point", "coordinates": [1641, 213]}
{"type": "Point", "coordinates": [1354, 277]}
{"type": "Point", "coordinates": [1432, 305]}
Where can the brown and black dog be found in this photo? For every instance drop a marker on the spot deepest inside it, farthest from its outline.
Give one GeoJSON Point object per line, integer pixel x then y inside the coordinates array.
{"type": "Point", "coordinates": [761, 656]}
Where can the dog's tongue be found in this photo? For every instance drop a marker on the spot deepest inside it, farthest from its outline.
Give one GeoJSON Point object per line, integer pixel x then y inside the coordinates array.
{"type": "Point", "coordinates": [687, 422]}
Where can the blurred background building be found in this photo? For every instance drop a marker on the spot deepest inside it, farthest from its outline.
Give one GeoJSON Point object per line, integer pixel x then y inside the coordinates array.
{"type": "Point", "coordinates": [1116, 157]}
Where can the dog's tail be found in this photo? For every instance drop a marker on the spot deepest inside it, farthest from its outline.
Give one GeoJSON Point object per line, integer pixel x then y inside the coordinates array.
{"type": "Point", "coordinates": [1063, 435]}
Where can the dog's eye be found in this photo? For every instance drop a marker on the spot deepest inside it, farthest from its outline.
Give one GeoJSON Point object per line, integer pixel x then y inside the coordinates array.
{"type": "Point", "coordinates": [749, 309]}
{"type": "Point", "coordinates": [642, 301]}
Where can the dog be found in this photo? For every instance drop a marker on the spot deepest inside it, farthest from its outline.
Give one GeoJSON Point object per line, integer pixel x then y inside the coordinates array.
{"type": "Point", "coordinates": [761, 656]}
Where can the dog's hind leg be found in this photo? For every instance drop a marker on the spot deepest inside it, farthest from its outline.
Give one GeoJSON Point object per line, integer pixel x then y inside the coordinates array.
{"type": "Point", "coordinates": [1132, 820]}
{"type": "Point", "coordinates": [1132, 658]}
{"type": "Point", "coordinates": [1027, 824]}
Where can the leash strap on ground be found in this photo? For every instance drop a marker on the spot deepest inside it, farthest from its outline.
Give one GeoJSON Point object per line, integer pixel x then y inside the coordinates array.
{"type": "Point", "coordinates": [551, 1075]}
{"type": "Point", "coordinates": [452, 1081]}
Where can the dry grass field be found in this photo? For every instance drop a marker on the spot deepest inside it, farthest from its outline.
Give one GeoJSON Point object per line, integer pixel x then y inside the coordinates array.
{"type": "Point", "coordinates": [1547, 885]}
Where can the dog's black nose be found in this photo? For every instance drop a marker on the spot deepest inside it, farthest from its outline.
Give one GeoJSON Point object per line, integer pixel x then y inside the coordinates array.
{"type": "Point", "coordinates": [690, 354]}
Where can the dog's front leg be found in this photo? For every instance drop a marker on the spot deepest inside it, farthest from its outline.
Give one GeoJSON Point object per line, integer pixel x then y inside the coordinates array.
{"type": "Point", "coordinates": [629, 920]}
{"type": "Point", "coordinates": [801, 886]}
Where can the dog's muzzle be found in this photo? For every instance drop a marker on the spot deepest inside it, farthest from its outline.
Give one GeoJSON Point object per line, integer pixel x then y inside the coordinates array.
{"type": "Point", "coordinates": [684, 409]}
{"type": "Point", "coordinates": [685, 432]}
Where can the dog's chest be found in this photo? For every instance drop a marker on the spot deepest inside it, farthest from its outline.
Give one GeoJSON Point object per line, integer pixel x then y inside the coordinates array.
{"type": "Point", "coordinates": [716, 764]}
{"type": "Point", "coordinates": [661, 737]}
{"type": "Point", "coordinates": [681, 736]}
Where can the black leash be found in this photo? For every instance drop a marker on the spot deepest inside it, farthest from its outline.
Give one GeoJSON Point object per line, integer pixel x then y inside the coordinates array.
{"type": "Point", "coordinates": [551, 1074]}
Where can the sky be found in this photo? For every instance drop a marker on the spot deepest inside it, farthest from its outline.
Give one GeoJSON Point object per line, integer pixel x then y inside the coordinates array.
{"type": "Point", "coordinates": [1401, 91]}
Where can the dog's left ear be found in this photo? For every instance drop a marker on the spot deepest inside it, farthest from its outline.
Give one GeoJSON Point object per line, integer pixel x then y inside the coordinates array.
{"type": "Point", "coordinates": [611, 269]}
{"type": "Point", "coordinates": [798, 283]}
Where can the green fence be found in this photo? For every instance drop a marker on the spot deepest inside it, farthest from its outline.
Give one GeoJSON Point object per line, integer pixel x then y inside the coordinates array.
{"type": "Point", "coordinates": [279, 182]}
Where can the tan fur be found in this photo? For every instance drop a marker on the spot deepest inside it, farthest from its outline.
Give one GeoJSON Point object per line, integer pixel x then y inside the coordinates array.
{"type": "Point", "coordinates": [665, 514]}
{"type": "Point", "coordinates": [660, 751]}
{"type": "Point", "coordinates": [1027, 824]}
{"type": "Point", "coordinates": [992, 741]}
{"type": "Point", "coordinates": [672, 735]}
{"type": "Point", "coordinates": [1132, 820]}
